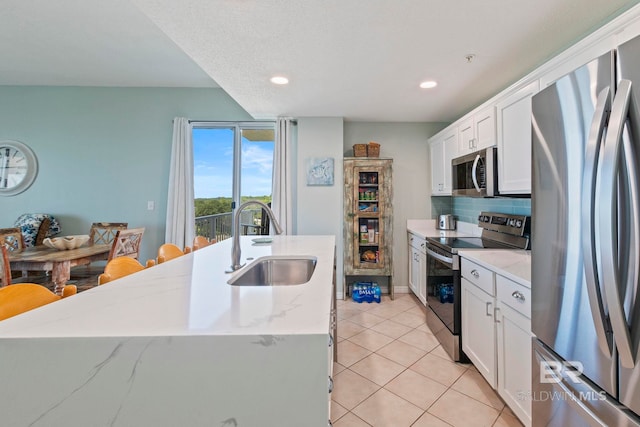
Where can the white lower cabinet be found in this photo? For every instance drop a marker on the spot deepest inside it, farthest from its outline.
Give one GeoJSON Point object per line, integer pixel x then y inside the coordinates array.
{"type": "Point", "coordinates": [496, 334]}
{"type": "Point", "coordinates": [513, 333]}
{"type": "Point", "coordinates": [417, 267]}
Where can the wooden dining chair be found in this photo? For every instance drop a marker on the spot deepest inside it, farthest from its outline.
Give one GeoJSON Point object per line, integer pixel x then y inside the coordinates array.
{"type": "Point", "coordinates": [21, 297]}
{"type": "Point", "coordinates": [103, 233]}
{"type": "Point", "coordinates": [127, 243]}
{"type": "Point", "coordinates": [168, 251]}
{"type": "Point", "coordinates": [119, 267]}
{"type": "Point", "coordinates": [5, 269]}
{"type": "Point", "coordinates": [12, 238]}
{"type": "Point", "coordinates": [200, 242]}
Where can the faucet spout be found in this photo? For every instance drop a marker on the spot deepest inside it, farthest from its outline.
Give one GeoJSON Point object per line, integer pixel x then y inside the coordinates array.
{"type": "Point", "coordinates": [235, 246]}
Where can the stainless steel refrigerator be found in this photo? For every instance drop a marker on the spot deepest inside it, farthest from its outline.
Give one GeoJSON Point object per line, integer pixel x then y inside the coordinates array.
{"type": "Point", "coordinates": [586, 245]}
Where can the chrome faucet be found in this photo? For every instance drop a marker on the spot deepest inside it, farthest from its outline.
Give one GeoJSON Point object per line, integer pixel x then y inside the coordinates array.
{"type": "Point", "coordinates": [235, 248]}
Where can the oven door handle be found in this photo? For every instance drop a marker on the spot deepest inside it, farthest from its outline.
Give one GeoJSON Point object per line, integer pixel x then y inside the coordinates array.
{"type": "Point", "coordinates": [439, 257]}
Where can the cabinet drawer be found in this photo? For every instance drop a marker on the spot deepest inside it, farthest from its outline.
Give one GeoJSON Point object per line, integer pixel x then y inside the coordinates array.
{"type": "Point", "coordinates": [417, 242]}
{"type": "Point", "coordinates": [514, 295]}
{"type": "Point", "coordinates": [478, 275]}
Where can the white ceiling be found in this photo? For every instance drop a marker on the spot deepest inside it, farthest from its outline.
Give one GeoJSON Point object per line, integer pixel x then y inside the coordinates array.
{"type": "Point", "coordinates": [358, 59]}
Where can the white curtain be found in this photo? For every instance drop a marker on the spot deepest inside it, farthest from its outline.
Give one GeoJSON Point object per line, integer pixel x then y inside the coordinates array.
{"type": "Point", "coordinates": [180, 210]}
{"type": "Point", "coordinates": [281, 202]}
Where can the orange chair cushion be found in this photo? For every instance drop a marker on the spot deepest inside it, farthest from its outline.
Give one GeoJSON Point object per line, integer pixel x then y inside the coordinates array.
{"type": "Point", "coordinates": [21, 297]}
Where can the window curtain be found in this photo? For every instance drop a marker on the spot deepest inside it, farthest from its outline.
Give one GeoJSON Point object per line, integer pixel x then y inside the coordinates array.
{"type": "Point", "coordinates": [180, 210]}
{"type": "Point", "coordinates": [281, 202]}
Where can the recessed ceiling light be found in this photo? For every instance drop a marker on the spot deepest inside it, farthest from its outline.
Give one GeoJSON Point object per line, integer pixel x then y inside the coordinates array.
{"type": "Point", "coordinates": [279, 80]}
{"type": "Point", "coordinates": [428, 84]}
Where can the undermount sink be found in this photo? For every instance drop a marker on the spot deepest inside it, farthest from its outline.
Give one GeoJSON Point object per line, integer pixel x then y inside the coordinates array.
{"type": "Point", "coordinates": [276, 271]}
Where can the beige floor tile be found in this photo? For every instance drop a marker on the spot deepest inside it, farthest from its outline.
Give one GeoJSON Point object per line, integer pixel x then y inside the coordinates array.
{"type": "Point", "coordinates": [350, 420]}
{"type": "Point", "coordinates": [422, 340]}
{"type": "Point", "coordinates": [349, 353]}
{"type": "Point", "coordinates": [438, 351]}
{"type": "Point", "coordinates": [425, 328]}
{"type": "Point", "coordinates": [386, 311]}
{"type": "Point", "coordinates": [428, 420]}
{"type": "Point", "coordinates": [365, 319]}
{"type": "Point", "coordinates": [385, 409]}
{"type": "Point", "coordinates": [507, 420]}
{"type": "Point", "coordinates": [371, 340]}
{"type": "Point", "coordinates": [362, 306]}
{"type": "Point", "coordinates": [345, 312]}
{"type": "Point", "coordinates": [401, 353]}
{"type": "Point", "coordinates": [337, 368]}
{"type": "Point", "coordinates": [350, 389]}
{"type": "Point", "coordinates": [460, 411]}
{"type": "Point", "coordinates": [409, 319]}
{"type": "Point", "coordinates": [337, 411]}
{"type": "Point", "coordinates": [474, 385]}
{"type": "Point", "coordinates": [416, 388]}
{"type": "Point", "coordinates": [347, 329]}
{"type": "Point", "coordinates": [378, 369]}
{"type": "Point", "coordinates": [438, 369]}
{"type": "Point", "coordinates": [418, 311]}
{"type": "Point", "coordinates": [391, 329]}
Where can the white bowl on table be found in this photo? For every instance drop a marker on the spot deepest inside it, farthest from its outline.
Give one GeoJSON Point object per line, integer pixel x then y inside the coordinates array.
{"type": "Point", "coordinates": [66, 242]}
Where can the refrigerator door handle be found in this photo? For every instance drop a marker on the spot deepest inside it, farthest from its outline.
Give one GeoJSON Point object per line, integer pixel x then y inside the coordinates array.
{"type": "Point", "coordinates": [594, 292]}
{"type": "Point", "coordinates": [474, 169]}
{"type": "Point", "coordinates": [608, 181]}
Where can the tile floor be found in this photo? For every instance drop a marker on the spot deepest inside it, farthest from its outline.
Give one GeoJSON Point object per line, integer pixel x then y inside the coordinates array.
{"type": "Point", "coordinates": [391, 371]}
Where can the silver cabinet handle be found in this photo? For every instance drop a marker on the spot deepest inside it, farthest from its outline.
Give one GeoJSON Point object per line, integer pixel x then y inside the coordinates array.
{"type": "Point", "coordinates": [330, 384]}
{"type": "Point", "coordinates": [475, 273]}
{"type": "Point", "coordinates": [518, 295]}
{"type": "Point", "coordinates": [496, 312]}
{"type": "Point", "coordinates": [330, 340]}
{"type": "Point", "coordinates": [488, 309]}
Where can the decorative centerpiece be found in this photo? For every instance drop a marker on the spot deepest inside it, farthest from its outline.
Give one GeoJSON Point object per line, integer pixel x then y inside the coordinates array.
{"type": "Point", "coordinates": [66, 242]}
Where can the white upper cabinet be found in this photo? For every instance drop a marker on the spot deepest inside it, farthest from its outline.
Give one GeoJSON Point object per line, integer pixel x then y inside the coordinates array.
{"type": "Point", "coordinates": [514, 141]}
{"type": "Point", "coordinates": [444, 147]}
{"type": "Point", "coordinates": [477, 131]}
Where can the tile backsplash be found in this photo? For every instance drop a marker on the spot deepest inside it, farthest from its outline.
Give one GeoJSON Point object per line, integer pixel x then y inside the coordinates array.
{"type": "Point", "coordinates": [467, 209]}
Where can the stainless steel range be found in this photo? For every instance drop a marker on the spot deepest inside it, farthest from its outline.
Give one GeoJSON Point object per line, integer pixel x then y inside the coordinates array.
{"type": "Point", "coordinates": [499, 231]}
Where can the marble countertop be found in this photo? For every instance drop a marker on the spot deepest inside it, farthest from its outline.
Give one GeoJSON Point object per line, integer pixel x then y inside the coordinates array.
{"type": "Point", "coordinates": [190, 296]}
{"type": "Point", "coordinates": [514, 264]}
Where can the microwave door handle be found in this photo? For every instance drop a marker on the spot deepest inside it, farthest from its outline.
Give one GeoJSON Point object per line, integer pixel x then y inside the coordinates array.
{"type": "Point", "coordinates": [607, 188]}
{"type": "Point", "coordinates": [594, 291]}
{"type": "Point", "coordinates": [473, 173]}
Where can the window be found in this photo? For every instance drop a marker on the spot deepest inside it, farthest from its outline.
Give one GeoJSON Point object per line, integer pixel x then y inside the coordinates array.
{"type": "Point", "coordinates": [233, 162]}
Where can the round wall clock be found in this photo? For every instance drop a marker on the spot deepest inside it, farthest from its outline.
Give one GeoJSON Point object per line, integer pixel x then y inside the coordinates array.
{"type": "Point", "coordinates": [18, 167]}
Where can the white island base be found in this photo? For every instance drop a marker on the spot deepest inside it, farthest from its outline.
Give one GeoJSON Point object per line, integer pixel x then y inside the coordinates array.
{"type": "Point", "coordinates": [205, 359]}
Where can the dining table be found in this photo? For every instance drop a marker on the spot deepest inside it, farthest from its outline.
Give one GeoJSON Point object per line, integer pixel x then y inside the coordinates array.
{"type": "Point", "coordinates": [58, 262]}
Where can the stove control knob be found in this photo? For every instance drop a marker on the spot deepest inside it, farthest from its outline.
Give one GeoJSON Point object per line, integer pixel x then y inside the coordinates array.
{"type": "Point", "coordinates": [519, 223]}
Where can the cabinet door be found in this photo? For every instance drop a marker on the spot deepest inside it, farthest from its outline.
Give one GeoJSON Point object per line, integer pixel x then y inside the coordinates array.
{"type": "Point", "coordinates": [485, 128]}
{"type": "Point", "coordinates": [466, 136]}
{"type": "Point", "coordinates": [450, 153]}
{"type": "Point", "coordinates": [514, 360]}
{"type": "Point", "coordinates": [421, 279]}
{"type": "Point", "coordinates": [412, 266]}
{"type": "Point", "coordinates": [514, 141]}
{"type": "Point", "coordinates": [478, 330]}
{"type": "Point", "coordinates": [437, 167]}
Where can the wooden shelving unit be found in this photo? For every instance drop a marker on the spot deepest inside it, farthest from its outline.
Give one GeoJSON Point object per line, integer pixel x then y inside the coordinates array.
{"type": "Point", "coordinates": [368, 230]}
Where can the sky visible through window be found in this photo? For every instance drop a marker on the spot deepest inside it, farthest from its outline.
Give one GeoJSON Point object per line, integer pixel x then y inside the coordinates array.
{"type": "Point", "coordinates": [213, 164]}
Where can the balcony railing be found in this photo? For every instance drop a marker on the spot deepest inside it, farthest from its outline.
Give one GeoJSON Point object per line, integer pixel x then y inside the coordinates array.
{"type": "Point", "coordinates": [219, 226]}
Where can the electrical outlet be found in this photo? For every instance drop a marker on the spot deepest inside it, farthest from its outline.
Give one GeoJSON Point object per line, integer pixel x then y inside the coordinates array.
{"type": "Point", "coordinates": [151, 205]}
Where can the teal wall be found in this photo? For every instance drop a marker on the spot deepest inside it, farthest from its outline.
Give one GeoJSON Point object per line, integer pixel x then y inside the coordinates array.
{"type": "Point", "coordinates": [467, 209]}
{"type": "Point", "coordinates": [103, 152]}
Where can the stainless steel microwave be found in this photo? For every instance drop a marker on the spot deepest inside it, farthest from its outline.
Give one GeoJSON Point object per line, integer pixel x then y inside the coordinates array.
{"type": "Point", "coordinates": [476, 174]}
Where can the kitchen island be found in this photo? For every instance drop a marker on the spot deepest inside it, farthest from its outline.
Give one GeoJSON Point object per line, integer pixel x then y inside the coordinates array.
{"type": "Point", "coordinates": [177, 345]}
